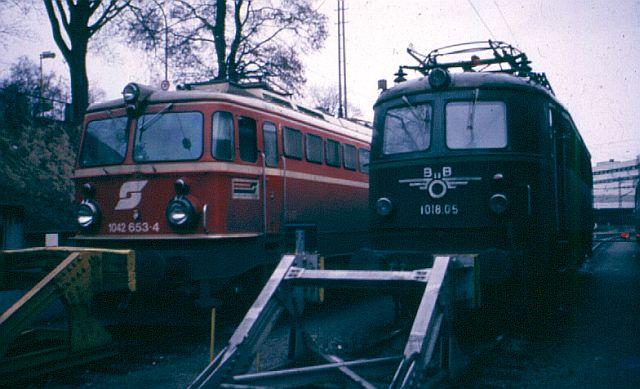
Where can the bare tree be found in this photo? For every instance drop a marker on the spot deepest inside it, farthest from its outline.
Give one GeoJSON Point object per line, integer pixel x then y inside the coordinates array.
{"type": "Point", "coordinates": [327, 99]}
{"type": "Point", "coordinates": [232, 39]}
{"type": "Point", "coordinates": [10, 26]}
{"type": "Point", "coordinates": [73, 24]}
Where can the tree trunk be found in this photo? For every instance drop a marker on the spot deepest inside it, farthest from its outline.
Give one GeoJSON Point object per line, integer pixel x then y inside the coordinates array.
{"type": "Point", "coordinates": [219, 38]}
{"type": "Point", "coordinates": [79, 86]}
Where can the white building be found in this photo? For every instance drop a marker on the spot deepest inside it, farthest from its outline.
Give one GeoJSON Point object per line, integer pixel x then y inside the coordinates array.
{"type": "Point", "coordinates": [614, 184]}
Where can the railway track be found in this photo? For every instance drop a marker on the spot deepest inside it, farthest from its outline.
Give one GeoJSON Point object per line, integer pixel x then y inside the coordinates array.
{"type": "Point", "coordinates": [500, 363]}
{"type": "Point", "coordinates": [497, 363]}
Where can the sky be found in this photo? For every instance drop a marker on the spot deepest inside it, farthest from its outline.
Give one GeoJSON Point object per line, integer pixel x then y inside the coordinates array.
{"type": "Point", "coordinates": [590, 51]}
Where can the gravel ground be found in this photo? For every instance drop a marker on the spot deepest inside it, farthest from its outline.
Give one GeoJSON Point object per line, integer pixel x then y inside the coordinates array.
{"type": "Point", "coordinates": [172, 357]}
{"type": "Point", "coordinates": [339, 328]}
{"type": "Point", "coordinates": [172, 361]}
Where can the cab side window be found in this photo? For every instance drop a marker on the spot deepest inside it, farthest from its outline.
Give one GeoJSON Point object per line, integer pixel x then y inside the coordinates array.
{"type": "Point", "coordinates": [222, 138]}
{"type": "Point", "coordinates": [363, 159]}
{"type": "Point", "coordinates": [270, 139]}
{"type": "Point", "coordinates": [248, 139]}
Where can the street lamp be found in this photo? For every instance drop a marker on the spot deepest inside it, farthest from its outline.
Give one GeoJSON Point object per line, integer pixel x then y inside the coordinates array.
{"type": "Point", "coordinates": [43, 55]}
{"type": "Point", "coordinates": [165, 83]}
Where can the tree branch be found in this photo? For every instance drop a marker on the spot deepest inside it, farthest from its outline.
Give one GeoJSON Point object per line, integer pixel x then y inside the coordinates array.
{"type": "Point", "coordinates": [110, 12]}
{"type": "Point", "coordinates": [55, 28]}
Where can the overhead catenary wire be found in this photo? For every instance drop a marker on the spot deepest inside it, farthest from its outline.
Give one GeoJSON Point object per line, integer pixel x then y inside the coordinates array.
{"type": "Point", "coordinates": [481, 19]}
{"type": "Point", "coordinates": [515, 40]}
{"type": "Point", "coordinates": [362, 100]}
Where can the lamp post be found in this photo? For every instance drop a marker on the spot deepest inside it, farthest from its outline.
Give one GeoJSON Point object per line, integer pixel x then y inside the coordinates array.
{"type": "Point", "coordinates": [43, 55]}
{"type": "Point", "coordinates": [165, 83]}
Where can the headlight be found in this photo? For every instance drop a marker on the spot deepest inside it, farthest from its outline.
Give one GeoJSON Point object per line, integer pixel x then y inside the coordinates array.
{"type": "Point", "coordinates": [130, 93]}
{"type": "Point", "coordinates": [384, 206]}
{"type": "Point", "coordinates": [88, 216]}
{"type": "Point", "coordinates": [498, 203]}
{"type": "Point", "coordinates": [181, 213]}
{"type": "Point", "coordinates": [439, 78]}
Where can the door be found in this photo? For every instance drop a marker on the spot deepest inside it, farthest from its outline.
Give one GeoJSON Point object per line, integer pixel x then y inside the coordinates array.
{"type": "Point", "coordinates": [560, 166]}
{"type": "Point", "coordinates": [272, 181]}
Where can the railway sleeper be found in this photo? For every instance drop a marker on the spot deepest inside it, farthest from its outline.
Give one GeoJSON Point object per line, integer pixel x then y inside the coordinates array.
{"type": "Point", "coordinates": [28, 346]}
{"type": "Point", "coordinates": [430, 353]}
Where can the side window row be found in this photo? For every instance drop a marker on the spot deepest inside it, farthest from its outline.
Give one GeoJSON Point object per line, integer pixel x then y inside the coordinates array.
{"type": "Point", "coordinates": [223, 144]}
{"type": "Point", "coordinates": [222, 138]}
{"type": "Point", "coordinates": [328, 151]}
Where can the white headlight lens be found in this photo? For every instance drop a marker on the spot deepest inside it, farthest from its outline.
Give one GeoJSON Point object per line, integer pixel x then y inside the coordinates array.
{"type": "Point", "coordinates": [178, 215]}
{"type": "Point", "coordinates": [87, 215]}
{"type": "Point", "coordinates": [181, 213]}
{"type": "Point", "coordinates": [130, 93]}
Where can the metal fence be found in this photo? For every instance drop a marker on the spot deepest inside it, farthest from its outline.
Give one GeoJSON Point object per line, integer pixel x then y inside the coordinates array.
{"type": "Point", "coordinates": [17, 103]}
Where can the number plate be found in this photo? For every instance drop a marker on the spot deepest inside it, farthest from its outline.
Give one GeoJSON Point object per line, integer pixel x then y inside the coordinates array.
{"type": "Point", "coordinates": [133, 228]}
{"type": "Point", "coordinates": [439, 209]}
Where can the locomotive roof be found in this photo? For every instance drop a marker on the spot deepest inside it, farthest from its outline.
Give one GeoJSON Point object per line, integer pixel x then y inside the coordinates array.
{"type": "Point", "coordinates": [482, 64]}
{"type": "Point", "coordinates": [255, 98]}
{"type": "Point", "coordinates": [464, 80]}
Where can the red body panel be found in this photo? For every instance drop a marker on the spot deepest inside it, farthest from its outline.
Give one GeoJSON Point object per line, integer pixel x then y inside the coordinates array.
{"type": "Point", "coordinates": [232, 205]}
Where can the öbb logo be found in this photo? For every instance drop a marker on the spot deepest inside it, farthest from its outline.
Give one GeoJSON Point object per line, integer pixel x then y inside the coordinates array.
{"type": "Point", "coordinates": [130, 195]}
{"type": "Point", "coordinates": [438, 182]}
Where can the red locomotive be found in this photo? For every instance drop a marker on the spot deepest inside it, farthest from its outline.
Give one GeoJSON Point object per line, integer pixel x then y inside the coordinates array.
{"type": "Point", "coordinates": [206, 182]}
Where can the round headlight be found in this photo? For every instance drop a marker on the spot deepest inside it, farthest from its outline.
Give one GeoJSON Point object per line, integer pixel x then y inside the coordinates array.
{"type": "Point", "coordinates": [180, 213]}
{"type": "Point", "coordinates": [130, 93]}
{"type": "Point", "coordinates": [498, 203]}
{"type": "Point", "coordinates": [384, 206]}
{"type": "Point", "coordinates": [439, 78]}
{"type": "Point", "coordinates": [88, 215]}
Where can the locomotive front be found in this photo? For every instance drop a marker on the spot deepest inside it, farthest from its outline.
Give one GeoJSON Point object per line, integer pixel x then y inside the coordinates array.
{"type": "Point", "coordinates": [454, 170]}
{"type": "Point", "coordinates": [145, 181]}
{"type": "Point", "coordinates": [468, 162]}
{"type": "Point", "coordinates": [208, 184]}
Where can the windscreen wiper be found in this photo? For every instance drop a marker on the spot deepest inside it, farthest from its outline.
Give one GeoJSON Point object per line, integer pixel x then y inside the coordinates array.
{"type": "Point", "coordinates": [154, 118]}
{"type": "Point", "coordinates": [404, 128]}
{"type": "Point", "coordinates": [414, 110]}
{"type": "Point", "coordinates": [472, 115]}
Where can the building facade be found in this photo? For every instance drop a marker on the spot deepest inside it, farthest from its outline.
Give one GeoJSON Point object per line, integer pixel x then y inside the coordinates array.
{"type": "Point", "coordinates": [614, 184]}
